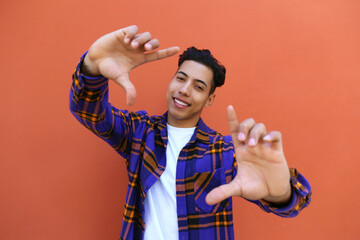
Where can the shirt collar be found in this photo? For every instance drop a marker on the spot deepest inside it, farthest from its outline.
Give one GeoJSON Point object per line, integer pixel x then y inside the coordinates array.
{"type": "Point", "coordinates": [201, 133]}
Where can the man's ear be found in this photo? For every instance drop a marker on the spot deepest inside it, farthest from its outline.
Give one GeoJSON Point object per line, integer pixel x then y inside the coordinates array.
{"type": "Point", "coordinates": [210, 100]}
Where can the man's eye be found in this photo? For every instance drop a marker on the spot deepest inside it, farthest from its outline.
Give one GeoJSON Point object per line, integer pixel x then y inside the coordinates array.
{"type": "Point", "coordinates": [180, 78]}
{"type": "Point", "coordinates": [200, 87]}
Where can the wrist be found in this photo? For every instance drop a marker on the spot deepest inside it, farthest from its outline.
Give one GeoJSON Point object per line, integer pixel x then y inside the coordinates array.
{"type": "Point", "coordinates": [86, 69]}
{"type": "Point", "coordinates": [280, 201]}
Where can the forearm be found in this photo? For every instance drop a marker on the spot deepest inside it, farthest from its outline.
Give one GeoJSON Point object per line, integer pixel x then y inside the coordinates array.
{"type": "Point", "coordinates": [89, 104]}
{"type": "Point", "coordinates": [89, 99]}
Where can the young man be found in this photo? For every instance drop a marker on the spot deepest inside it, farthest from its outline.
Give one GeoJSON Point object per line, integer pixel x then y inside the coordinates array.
{"type": "Point", "coordinates": [182, 174]}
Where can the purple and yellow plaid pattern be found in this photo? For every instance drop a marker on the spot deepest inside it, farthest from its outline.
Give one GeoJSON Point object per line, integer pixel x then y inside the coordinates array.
{"type": "Point", "coordinates": [206, 162]}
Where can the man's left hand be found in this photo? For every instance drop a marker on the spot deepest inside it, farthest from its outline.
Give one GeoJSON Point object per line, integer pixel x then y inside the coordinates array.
{"type": "Point", "coordinates": [262, 169]}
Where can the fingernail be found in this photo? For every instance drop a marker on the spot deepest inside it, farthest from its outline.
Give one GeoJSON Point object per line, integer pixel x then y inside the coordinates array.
{"type": "Point", "coordinates": [127, 40]}
{"type": "Point", "coordinates": [267, 138]}
{"type": "Point", "coordinates": [241, 136]}
{"type": "Point", "coordinates": [252, 142]}
{"type": "Point", "coordinates": [148, 47]}
{"type": "Point", "coordinates": [134, 44]}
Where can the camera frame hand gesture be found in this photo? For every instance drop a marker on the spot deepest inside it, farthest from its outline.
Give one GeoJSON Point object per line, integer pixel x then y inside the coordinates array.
{"type": "Point", "coordinates": [115, 54]}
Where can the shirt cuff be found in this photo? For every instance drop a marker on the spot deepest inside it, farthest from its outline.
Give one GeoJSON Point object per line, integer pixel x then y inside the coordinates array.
{"type": "Point", "coordinates": [300, 197]}
{"type": "Point", "coordinates": [90, 82]}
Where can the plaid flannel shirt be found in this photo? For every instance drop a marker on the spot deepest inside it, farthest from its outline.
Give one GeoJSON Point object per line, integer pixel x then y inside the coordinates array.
{"type": "Point", "coordinates": [206, 162]}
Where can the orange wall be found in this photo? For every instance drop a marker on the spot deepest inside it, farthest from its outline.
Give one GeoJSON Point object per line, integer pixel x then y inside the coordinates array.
{"type": "Point", "coordinates": [293, 65]}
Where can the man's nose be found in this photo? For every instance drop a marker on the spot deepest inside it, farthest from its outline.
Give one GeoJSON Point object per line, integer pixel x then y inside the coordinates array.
{"type": "Point", "coordinates": [185, 88]}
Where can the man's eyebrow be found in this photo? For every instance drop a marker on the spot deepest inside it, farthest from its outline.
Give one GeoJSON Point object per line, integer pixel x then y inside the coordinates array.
{"type": "Point", "coordinates": [197, 80]}
{"type": "Point", "coordinates": [181, 72]}
{"type": "Point", "coordinates": [201, 81]}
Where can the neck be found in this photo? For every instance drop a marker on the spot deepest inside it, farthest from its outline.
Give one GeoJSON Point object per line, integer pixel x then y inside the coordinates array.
{"type": "Point", "coordinates": [182, 123]}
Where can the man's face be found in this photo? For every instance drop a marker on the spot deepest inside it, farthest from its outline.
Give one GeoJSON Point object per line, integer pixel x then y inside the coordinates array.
{"type": "Point", "coordinates": [188, 94]}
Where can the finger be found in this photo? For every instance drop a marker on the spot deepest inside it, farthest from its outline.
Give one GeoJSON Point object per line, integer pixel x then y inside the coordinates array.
{"type": "Point", "coordinates": [130, 33]}
{"type": "Point", "coordinates": [152, 44]}
{"type": "Point", "coordinates": [160, 54]}
{"type": "Point", "coordinates": [233, 125]}
{"type": "Point", "coordinates": [232, 120]}
{"type": "Point", "coordinates": [141, 39]}
{"type": "Point", "coordinates": [129, 88]}
{"type": "Point", "coordinates": [222, 192]}
{"type": "Point", "coordinates": [244, 129]}
{"type": "Point", "coordinates": [275, 138]}
{"type": "Point", "coordinates": [257, 132]}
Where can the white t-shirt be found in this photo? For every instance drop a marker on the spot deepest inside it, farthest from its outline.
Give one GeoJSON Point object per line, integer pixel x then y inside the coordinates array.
{"type": "Point", "coordinates": [160, 201]}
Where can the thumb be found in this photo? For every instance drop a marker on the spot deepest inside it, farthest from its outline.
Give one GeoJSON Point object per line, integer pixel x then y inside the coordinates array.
{"type": "Point", "coordinates": [222, 192]}
{"type": "Point", "coordinates": [160, 54]}
{"type": "Point", "coordinates": [130, 91]}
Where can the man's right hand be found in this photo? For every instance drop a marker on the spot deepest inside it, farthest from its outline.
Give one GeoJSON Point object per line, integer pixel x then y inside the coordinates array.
{"type": "Point", "coordinates": [115, 54]}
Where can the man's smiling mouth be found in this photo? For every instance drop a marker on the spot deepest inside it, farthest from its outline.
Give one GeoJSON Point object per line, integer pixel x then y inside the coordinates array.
{"type": "Point", "coordinates": [181, 102]}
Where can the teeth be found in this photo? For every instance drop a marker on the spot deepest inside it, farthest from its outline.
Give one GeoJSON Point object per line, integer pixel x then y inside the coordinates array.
{"type": "Point", "coordinates": [181, 103]}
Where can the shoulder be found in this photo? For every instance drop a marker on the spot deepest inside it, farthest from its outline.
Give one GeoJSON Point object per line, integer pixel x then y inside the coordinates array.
{"type": "Point", "coordinates": [216, 137]}
{"type": "Point", "coordinates": [139, 116]}
{"type": "Point", "coordinates": [142, 117]}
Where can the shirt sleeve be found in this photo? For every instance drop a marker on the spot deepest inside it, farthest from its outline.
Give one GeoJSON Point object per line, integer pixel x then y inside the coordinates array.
{"type": "Point", "coordinates": [89, 104]}
{"type": "Point", "coordinates": [300, 197]}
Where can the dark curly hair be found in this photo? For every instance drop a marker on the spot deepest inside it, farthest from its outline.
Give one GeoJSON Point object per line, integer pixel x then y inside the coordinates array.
{"type": "Point", "coordinates": [205, 57]}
